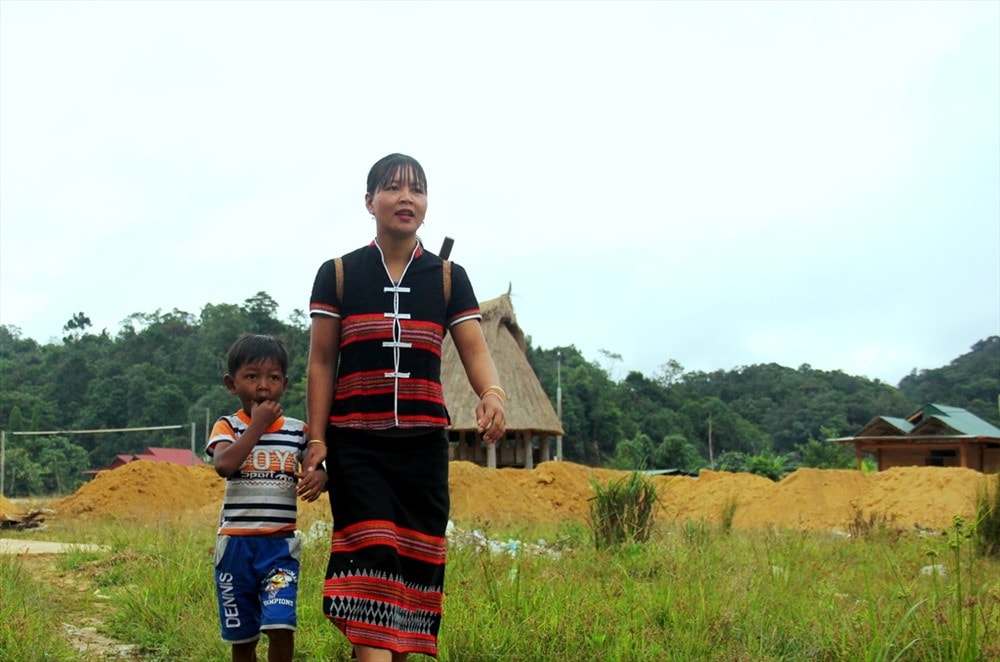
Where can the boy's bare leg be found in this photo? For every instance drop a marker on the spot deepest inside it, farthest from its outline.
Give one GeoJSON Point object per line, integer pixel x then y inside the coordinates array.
{"type": "Point", "coordinates": [245, 652]}
{"type": "Point", "coordinates": [280, 645]}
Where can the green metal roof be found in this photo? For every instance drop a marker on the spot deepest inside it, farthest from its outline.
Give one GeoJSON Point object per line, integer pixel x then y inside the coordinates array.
{"type": "Point", "coordinates": [900, 424]}
{"type": "Point", "coordinates": [955, 418]}
{"type": "Point", "coordinates": [928, 422]}
{"type": "Point", "coordinates": [968, 424]}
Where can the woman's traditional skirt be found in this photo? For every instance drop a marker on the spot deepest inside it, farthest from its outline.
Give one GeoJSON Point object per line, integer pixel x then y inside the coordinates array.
{"type": "Point", "coordinates": [385, 578]}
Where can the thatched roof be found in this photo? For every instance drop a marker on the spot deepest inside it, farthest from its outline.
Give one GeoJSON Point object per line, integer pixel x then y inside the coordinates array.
{"type": "Point", "coordinates": [528, 407]}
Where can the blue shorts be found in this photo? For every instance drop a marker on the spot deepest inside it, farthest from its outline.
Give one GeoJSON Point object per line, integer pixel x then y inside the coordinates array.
{"type": "Point", "coordinates": [257, 583]}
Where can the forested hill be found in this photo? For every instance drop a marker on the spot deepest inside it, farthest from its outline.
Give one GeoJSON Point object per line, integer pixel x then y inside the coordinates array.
{"type": "Point", "coordinates": [971, 381]}
{"type": "Point", "coordinates": [166, 369]}
{"type": "Point", "coordinates": [766, 413]}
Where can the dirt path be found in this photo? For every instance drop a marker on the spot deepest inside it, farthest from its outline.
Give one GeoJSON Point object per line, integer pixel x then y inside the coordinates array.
{"type": "Point", "coordinates": [18, 546]}
{"type": "Point", "coordinates": [84, 605]}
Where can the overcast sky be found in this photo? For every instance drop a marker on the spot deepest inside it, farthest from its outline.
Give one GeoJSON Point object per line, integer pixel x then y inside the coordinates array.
{"type": "Point", "coordinates": [719, 183]}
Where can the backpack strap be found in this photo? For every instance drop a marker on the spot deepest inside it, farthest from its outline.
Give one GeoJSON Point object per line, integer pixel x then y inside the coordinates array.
{"type": "Point", "coordinates": [338, 267]}
{"type": "Point", "coordinates": [446, 278]}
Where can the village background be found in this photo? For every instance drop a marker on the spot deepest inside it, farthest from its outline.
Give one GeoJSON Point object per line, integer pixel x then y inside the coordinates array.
{"type": "Point", "coordinates": [735, 458]}
{"type": "Point", "coordinates": [164, 370]}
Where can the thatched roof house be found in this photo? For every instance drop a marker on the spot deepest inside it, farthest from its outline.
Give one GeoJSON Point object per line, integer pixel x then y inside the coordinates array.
{"type": "Point", "coordinates": [530, 415]}
{"type": "Point", "coordinates": [934, 435]}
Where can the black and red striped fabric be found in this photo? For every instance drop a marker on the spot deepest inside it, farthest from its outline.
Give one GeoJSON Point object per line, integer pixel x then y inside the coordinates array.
{"type": "Point", "coordinates": [385, 577]}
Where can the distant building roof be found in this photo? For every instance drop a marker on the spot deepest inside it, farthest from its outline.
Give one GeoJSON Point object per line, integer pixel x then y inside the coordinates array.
{"type": "Point", "coordinates": [181, 456]}
{"type": "Point", "coordinates": [934, 435]}
{"type": "Point", "coordinates": [937, 419]}
{"type": "Point", "coordinates": [932, 421]}
{"type": "Point", "coordinates": [888, 425]}
{"type": "Point", "coordinates": [171, 455]}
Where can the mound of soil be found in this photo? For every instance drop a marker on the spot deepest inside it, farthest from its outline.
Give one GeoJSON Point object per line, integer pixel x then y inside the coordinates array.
{"type": "Point", "coordinates": [7, 507]}
{"type": "Point", "coordinates": [553, 492]}
{"type": "Point", "coordinates": [145, 491]}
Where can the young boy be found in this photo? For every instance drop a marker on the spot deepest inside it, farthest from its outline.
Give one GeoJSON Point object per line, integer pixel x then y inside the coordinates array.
{"type": "Point", "coordinates": [258, 451]}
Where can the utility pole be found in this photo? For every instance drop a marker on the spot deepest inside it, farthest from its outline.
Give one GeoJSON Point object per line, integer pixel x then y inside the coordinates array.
{"type": "Point", "coordinates": [711, 458]}
{"type": "Point", "coordinates": [559, 453]}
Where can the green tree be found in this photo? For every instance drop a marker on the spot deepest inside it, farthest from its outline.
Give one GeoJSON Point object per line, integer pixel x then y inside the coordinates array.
{"type": "Point", "coordinates": [70, 381]}
{"type": "Point", "coordinates": [22, 475]}
{"type": "Point", "coordinates": [729, 431]}
{"type": "Point", "coordinates": [670, 373]}
{"type": "Point", "coordinates": [261, 310]}
{"type": "Point", "coordinates": [633, 454]}
{"type": "Point", "coordinates": [675, 452]}
{"type": "Point", "coordinates": [971, 381]}
{"type": "Point", "coordinates": [105, 404]}
{"type": "Point", "coordinates": [15, 420]}
{"type": "Point", "coordinates": [60, 463]}
{"type": "Point", "coordinates": [825, 454]}
{"type": "Point", "coordinates": [734, 461]}
{"type": "Point", "coordinates": [767, 464]}
{"type": "Point", "coordinates": [590, 420]}
{"type": "Point", "coordinates": [76, 327]}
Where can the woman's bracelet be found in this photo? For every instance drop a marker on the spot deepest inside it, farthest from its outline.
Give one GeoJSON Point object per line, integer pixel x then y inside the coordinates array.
{"type": "Point", "coordinates": [315, 441]}
{"type": "Point", "coordinates": [494, 390]}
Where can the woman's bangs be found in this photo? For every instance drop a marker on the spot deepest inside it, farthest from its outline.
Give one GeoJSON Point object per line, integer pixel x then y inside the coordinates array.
{"type": "Point", "coordinates": [406, 174]}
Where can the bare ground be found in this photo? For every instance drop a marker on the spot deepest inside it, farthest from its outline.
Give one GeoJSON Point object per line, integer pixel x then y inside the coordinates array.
{"type": "Point", "coordinates": [84, 607]}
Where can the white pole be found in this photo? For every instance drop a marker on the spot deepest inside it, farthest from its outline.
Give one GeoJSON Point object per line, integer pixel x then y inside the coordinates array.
{"type": "Point", "coordinates": [559, 453]}
{"type": "Point", "coordinates": [3, 457]}
{"type": "Point", "coordinates": [711, 456]}
{"type": "Point", "coordinates": [193, 456]}
{"type": "Point", "coordinates": [49, 433]}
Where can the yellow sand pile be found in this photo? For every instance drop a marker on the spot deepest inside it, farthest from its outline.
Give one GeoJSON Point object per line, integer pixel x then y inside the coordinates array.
{"type": "Point", "coordinates": [808, 499]}
{"type": "Point", "coordinates": [146, 491]}
{"type": "Point", "coordinates": [7, 507]}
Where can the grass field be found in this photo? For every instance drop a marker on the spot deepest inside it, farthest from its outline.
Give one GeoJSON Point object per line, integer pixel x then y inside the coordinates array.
{"type": "Point", "coordinates": [691, 591]}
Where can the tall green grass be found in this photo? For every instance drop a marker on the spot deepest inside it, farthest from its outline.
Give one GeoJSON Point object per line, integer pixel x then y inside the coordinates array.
{"type": "Point", "coordinates": [31, 614]}
{"type": "Point", "coordinates": [623, 511]}
{"type": "Point", "coordinates": [712, 595]}
{"type": "Point", "coordinates": [987, 526]}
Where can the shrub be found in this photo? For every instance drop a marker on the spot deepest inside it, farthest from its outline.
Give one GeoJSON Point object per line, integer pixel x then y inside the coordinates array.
{"type": "Point", "coordinates": [876, 526]}
{"type": "Point", "coordinates": [623, 511]}
{"type": "Point", "coordinates": [768, 464]}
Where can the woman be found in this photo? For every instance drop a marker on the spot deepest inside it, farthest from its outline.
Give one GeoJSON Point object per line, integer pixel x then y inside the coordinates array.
{"type": "Point", "coordinates": [379, 315]}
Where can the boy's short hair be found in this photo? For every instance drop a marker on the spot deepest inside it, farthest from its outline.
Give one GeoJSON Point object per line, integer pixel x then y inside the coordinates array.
{"type": "Point", "coordinates": [254, 348]}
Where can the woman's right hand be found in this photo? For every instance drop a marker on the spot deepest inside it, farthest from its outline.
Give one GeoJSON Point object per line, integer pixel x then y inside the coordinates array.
{"type": "Point", "coordinates": [315, 455]}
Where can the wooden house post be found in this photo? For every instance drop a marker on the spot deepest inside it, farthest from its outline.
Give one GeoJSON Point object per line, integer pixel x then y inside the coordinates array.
{"type": "Point", "coordinates": [529, 460]}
